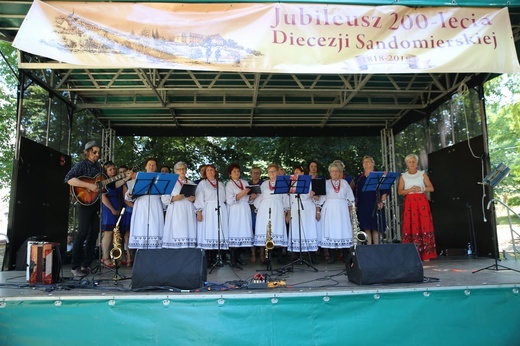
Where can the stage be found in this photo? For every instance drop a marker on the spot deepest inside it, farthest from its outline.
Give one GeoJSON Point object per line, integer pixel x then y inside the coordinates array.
{"type": "Point", "coordinates": [453, 306]}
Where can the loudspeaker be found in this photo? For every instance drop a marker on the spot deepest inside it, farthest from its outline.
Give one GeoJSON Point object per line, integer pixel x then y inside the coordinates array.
{"type": "Point", "coordinates": [179, 268]}
{"type": "Point", "coordinates": [385, 263]}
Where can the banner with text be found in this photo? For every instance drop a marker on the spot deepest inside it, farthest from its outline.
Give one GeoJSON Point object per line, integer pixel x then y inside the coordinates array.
{"type": "Point", "coordinates": [279, 37]}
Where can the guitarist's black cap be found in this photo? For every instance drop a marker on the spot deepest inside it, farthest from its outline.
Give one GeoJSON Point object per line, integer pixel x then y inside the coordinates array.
{"type": "Point", "coordinates": [90, 145]}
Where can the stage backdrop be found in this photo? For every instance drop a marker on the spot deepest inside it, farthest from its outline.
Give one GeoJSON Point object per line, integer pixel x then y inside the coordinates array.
{"type": "Point", "coordinates": [39, 204]}
{"type": "Point", "coordinates": [271, 37]}
{"type": "Point", "coordinates": [457, 200]}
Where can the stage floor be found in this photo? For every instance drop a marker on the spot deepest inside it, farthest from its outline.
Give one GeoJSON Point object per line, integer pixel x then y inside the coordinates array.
{"type": "Point", "coordinates": [443, 272]}
{"type": "Point", "coordinates": [314, 308]}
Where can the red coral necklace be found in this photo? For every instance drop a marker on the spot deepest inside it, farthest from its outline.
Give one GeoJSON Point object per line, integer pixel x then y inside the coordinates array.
{"type": "Point", "coordinates": [336, 185]}
{"type": "Point", "coordinates": [214, 184]}
{"type": "Point", "coordinates": [240, 186]}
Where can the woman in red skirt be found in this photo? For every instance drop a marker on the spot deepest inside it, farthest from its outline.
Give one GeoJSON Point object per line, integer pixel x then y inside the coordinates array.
{"type": "Point", "coordinates": [417, 226]}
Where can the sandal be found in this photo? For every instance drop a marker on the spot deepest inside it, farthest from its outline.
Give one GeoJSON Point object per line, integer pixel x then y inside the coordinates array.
{"type": "Point", "coordinates": [107, 263]}
{"type": "Point", "coordinates": [326, 254]}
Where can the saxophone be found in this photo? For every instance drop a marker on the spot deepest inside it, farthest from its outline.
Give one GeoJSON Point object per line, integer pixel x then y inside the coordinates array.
{"type": "Point", "coordinates": [117, 240]}
{"type": "Point", "coordinates": [269, 244]}
{"type": "Point", "coordinates": [360, 236]}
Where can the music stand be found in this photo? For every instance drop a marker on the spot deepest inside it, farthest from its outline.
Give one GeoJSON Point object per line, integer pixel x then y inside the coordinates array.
{"type": "Point", "coordinates": [493, 179]}
{"type": "Point", "coordinates": [154, 184]}
{"type": "Point", "coordinates": [295, 185]}
{"type": "Point", "coordinates": [496, 176]}
{"type": "Point", "coordinates": [377, 181]}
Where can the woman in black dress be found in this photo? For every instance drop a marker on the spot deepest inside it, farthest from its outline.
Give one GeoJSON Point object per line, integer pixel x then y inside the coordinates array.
{"type": "Point", "coordinates": [370, 205]}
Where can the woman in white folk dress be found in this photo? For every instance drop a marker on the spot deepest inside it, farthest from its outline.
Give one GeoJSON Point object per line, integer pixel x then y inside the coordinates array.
{"type": "Point", "coordinates": [240, 227]}
{"type": "Point", "coordinates": [335, 214]}
{"type": "Point", "coordinates": [212, 215]}
{"type": "Point", "coordinates": [271, 207]}
{"type": "Point", "coordinates": [147, 223]}
{"type": "Point", "coordinates": [303, 221]}
{"type": "Point", "coordinates": [180, 225]}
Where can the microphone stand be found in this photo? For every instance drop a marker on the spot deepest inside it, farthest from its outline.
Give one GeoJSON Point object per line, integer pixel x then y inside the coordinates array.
{"type": "Point", "coordinates": [378, 215]}
{"type": "Point", "coordinates": [99, 265]}
{"type": "Point", "coordinates": [300, 259]}
{"type": "Point", "coordinates": [218, 261]}
{"type": "Point", "coordinates": [472, 238]}
{"type": "Point", "coordinates": [377, 211]}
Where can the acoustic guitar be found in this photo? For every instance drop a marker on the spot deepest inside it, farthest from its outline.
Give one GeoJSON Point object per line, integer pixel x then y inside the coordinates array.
{"type": "Point", "coordinates": [87, 197]}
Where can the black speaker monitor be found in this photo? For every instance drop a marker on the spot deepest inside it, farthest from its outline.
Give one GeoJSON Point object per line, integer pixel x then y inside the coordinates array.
{"type": "Point", "coordinates": [179, 268]}
{"type": "Point", "coordinates": [385, 263]}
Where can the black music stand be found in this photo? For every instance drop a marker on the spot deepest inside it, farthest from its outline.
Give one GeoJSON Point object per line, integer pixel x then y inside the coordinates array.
{"type": "Point", "coordinates": [496, 176]}
{"type": "Point", "coordinates": [295, 185]}
{"type": "Point", "coordinates": [377, 181]}
{"type": "Point", "coordinates": [493, 179]}
{"type": "Point", "coordinates": [153, 184]}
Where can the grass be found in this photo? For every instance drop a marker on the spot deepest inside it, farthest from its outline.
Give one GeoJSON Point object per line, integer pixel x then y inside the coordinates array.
{"type": "Point", "coordinates": [502, 220]}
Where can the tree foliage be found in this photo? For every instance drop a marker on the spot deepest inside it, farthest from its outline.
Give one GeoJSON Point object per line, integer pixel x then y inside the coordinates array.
{"type": "Point", "coordinates": [247, 151]}
{"type": "Point", "coordinates": [503, 113]}
{"type": "Point", "coordinates": [8, 85]}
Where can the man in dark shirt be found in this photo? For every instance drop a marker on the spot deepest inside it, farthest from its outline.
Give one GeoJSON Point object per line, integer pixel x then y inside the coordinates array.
{"type": "Point", "coordinates": [88, 215]}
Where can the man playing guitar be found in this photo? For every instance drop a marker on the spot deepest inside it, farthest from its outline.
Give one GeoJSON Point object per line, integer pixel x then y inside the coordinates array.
{"type": "Point", "coordinates": [88, 214]}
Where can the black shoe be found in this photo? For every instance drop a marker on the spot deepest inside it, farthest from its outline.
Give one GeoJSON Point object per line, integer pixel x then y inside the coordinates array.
{"type": "Point", "coordinates": [346, 253]}
{"type": "Point", "coordinates": [279, 258]}
{"type": "Point", "coordinates": [332, 258]}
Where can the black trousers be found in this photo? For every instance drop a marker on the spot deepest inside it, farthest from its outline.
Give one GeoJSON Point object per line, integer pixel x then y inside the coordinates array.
{"type": "Point", "coordinates": [88, 230]}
